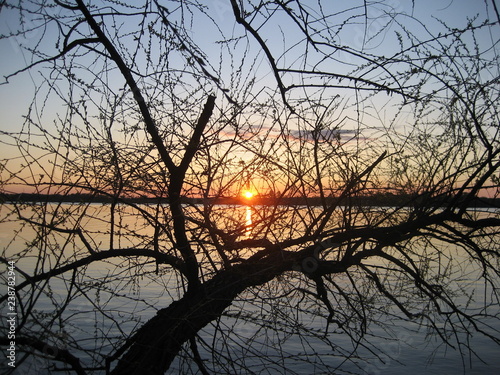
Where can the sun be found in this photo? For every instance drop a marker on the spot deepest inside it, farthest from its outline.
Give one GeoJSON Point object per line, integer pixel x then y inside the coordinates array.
{"type": "Point", "coordinates": [248, 194]}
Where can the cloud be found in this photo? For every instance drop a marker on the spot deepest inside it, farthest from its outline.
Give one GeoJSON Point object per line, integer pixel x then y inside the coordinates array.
{"type": "Point", "coordinates": [323, 135]}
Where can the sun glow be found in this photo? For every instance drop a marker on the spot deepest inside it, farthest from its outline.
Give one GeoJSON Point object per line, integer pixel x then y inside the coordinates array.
{"type": "Point", "coordinates": [248, 194]}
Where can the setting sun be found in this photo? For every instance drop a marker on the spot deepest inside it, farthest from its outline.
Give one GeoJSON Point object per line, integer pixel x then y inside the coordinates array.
{"type": "Point", "coordinates": [248, 194]}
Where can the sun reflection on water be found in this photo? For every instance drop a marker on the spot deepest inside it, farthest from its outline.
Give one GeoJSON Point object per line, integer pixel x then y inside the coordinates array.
{"type": "Point", "coordinates": [248, 222]}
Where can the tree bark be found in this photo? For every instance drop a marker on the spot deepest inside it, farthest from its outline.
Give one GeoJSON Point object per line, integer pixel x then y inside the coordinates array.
{"type": "Point", "coordinates": [158, 342]}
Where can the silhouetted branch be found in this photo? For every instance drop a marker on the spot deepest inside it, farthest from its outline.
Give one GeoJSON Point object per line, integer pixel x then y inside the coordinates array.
{"type": "Point", "coordinates": [161, 258]}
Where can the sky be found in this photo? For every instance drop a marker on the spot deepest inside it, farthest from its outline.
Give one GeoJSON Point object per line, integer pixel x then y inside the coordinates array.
{"type": "Point", "coordinates": [16, 96]}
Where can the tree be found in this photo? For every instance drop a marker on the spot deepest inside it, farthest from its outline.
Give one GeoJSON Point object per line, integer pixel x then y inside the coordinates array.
{"type": "Point", "coordinates": [366, 135]}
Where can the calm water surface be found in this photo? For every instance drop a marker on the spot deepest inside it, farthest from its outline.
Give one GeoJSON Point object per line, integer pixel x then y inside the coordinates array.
{"type": "Point", "coordinates": [409, 349]}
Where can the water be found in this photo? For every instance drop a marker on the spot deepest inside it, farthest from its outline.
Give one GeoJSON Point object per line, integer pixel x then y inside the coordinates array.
{"type": "Point", "coordinates": [274, 325]}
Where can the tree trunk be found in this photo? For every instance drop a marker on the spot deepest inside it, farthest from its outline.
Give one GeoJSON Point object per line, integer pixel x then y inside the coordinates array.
{"type": "Point", "coordinates": [158, 342]}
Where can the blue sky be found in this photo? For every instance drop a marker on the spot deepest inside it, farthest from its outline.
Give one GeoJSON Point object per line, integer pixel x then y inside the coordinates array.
{"type": "Point", "coordinates": [16, 97]}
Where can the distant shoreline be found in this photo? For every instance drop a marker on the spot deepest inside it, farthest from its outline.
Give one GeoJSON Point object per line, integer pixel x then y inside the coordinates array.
{"type": "Point", "coordinates": [376, 200]}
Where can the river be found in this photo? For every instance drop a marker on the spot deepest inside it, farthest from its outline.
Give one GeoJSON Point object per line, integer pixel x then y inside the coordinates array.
{"type": "Point", "coordinates": [110, 304]}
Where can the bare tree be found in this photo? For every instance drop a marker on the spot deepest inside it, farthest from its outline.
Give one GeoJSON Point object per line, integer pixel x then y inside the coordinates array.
{"type": "Point", "coordinates": [367, 137]}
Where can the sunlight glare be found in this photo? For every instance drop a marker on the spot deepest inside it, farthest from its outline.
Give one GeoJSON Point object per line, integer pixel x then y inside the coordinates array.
{"type": "Point", "coordinates": [248, 194]}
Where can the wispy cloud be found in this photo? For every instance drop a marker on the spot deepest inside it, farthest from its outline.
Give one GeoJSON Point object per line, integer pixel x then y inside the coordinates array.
{"type": "Point", "coordinates": [323, 135]}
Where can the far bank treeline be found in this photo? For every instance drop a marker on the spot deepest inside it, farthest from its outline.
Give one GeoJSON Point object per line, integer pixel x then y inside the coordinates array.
{"type": "Point", "coordinates": [375, 200]}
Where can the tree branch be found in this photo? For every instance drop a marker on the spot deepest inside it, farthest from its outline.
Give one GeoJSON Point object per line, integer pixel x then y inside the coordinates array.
{"type": "Point", "coordinates": [194, 142]}
{"type": "Point", "coordinates": [66, 49]}
{"type": "Point", "coordinates": [174, 194]}
{"type": "Point", "coordinates": [58, 354]}
{"type": "Point", "coordinates": [265, 48]}
{"type": "Point", "coordinates": [160, 258]}
{"type": "Point", "coordinates": [125, 70]}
